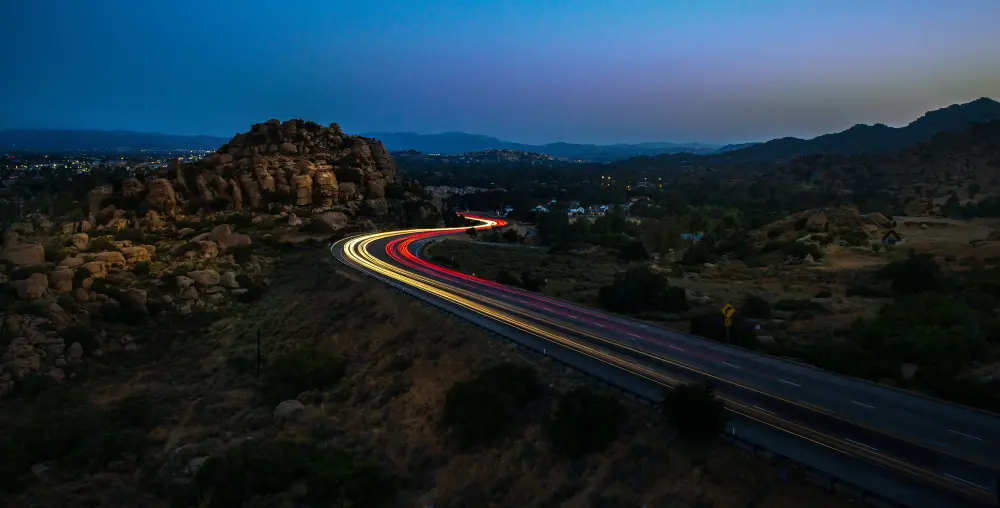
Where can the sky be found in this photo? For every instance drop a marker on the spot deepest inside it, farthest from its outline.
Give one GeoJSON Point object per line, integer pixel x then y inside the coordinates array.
{"type": "Point", "coordinates": [534, 71]}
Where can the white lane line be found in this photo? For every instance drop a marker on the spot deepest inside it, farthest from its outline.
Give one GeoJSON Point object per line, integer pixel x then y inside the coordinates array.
{"type": "Point", "coordinates": [764, 410]}
{"type": "Point", "coordinates": [599, 324]}
{"type": "Point", "coordinates": [634, 335]}
{"type": "Point", "coordinates": [966, 435]}
{"type": "Point", "coordinates": [674, 347]}
{"type": "Point", "coordinates": [863, 405]}
{"type": "Point", "coordinates": [789, 382]}
{"type": "Point", "coordinates": [861, 444]}
{"type": "Point", "coordinates": [966, 481]}
{"type": "Point", "coordinates": [733, 366]}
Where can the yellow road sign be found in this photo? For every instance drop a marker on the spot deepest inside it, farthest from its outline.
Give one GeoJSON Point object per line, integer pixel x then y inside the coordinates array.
{"type": "Point", "coordinates": [728, 310]}
{"type": "Point", "coordinates": [729, 322]}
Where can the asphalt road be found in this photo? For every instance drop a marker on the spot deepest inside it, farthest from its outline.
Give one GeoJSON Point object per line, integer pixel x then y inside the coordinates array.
{"type": "Point", "coordinates": [931, 445]}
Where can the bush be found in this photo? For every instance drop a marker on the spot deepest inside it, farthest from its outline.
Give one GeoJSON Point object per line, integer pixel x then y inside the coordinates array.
{"type": "Point", "coordinates": [332, 477]}
{"type": "Point", "coordinates": [694, 411]}
{"type": "Point", "coordinates": [919, 272]}
{"type": "Point", "coordinates": [141, 269]}
{"type": "Point", "coordinates": [796, 305]}
{"type": "Point", "coordinates": [300, 371]}
{"type": "Point", "coordinates": [584, 422]}
{"type": "Point", "coordinates": [532, 281]}
{"type": "Point", "coordinates": [507, 279]}
{"type": "Point", "coordinates": [55, 252]}
{"type": "Point", "coordinates": [134, 235]}
{"type": "Point", "coordinates": [756, 307]}
{"type": "Point", "coordinates": [241, 253]}
{"type": "Point", "coordinates": [24, 272]}
{"type": "Point", "coordinates": [101, 244]}
{"type": "Point", "coordinates": [868, 290]}
{"type": "Point", "coordinates": [632, 250]}
{"type": "Point", "coordinates": [483, 409]}
{"type": "Point", "coordinates": [641, 288]}
{"type": "Point", "coordinates": [824, 293]}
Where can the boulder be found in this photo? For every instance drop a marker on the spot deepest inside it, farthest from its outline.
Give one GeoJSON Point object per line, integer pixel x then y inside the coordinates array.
{"type": "Point", "coordinates": [24, 254]}
{"type": "Point", "coordinates": [228, 280]}
{"type": "Point", "coordinates": [80, 241]}
{"type": "Point", "coordinates": [61, 280]}
{"type": "Point", "coordinates": [336, 220]}
{"type": "Point", "coordinates": [135, 255]}
{"type": "Point", "coordinates": [33, 287]}
{"type": "Point", "coordinates": [72, 262]}
{"type": "Point", "coordinates": [237, 194]}
{"type": "Point", "coordinates": [302, 188]}
{"type": "Point", "coordinates": [97, 269]}
{"type": "Point", "coordinates": [96, 197]}
{"type": "Point", "coordinates": [288, 410]}
{"type": "Point", "coordinates": [234, 240]}
{"type": "Point", "coordinates": [294, 220]}
{"type": "Point", "coordinates": [205, 278]}
{"type": "Point", "coordinates": [161, 194]}
{"type": "Point", "coordinates": [110, 258]}
{"type": "Point", "coordinates": [376, 188]}
{"type": "Point", "coordinates": [153, 221]}
{"type": "Point", "coordinates": [816, 222]}
{"type": "Point", "coordinates": [74, 351]}
{"type": "Point", "coordinates": [132, 187]}
{"type": "Point", "coordinates": [220, 232]}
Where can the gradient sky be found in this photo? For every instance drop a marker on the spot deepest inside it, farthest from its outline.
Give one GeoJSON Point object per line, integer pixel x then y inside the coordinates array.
{"type": "Point", "coordinates": [532, 71]}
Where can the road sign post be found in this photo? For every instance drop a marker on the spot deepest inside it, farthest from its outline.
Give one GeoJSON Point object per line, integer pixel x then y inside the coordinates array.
{"type": "Point", "coordinates": [728, 311]}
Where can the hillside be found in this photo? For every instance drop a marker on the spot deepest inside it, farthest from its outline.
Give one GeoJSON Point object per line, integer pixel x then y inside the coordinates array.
{"type": "Point", "coordinates": [460, 142]}
{"type": "Point", "coordinates": [876, 138]}
{"type": "Point", "coordinates": [81, 140]}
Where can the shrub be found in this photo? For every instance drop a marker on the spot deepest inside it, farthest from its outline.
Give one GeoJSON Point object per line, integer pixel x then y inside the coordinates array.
{"type": "Point", "coordinates": [27, 271]}
{"type": "Point", "coordinates": [134, 235]}
{"type": "Point", "coordinates": [584, 422]}
{"type": "Point", "coordinates": [756, 307]}
{"type": "Point", "coordinates": [141, 269]}
{"type": "Point", "coordinates": [796, 305]}
{"type": "Point", "coordinates": [55, 252]}
{"type": "Point", "coordinates": [640, 288]}
{"type": "Point", "coordinates": [919, 272]}
{"type": "Point", "coordinates": [694, 411]}
{"type": "Point", "coordinates": [261, 468]}
{"type": "Point", "coordinates": [101, 244]}
{"type": "Point", "coordinates": [508, 279]}
{"type": "Point", "coordinates": [300, 371]}
{"type": "Point", "coordinates": [532, 281]}
{"type": "Point", "coordinates": [483, 409]}
{"type": "Point", "coordinates": [241, 253]}
{"type": "Point", "coordinates": [824, 293]}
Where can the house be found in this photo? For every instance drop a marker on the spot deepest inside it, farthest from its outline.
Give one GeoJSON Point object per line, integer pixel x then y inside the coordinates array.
{"type": "Point", "coordinates": [573, 212]}
{"type": "Point", "coordinates": [540, 209]}
{"type": "Point", "coordinates": [891, 238]}
{"type": "Point", "coordinates": [694, 237]}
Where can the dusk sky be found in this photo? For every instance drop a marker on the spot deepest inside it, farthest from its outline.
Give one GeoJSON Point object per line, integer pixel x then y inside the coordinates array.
{"type": "Point", "coordinates": [531, 71]}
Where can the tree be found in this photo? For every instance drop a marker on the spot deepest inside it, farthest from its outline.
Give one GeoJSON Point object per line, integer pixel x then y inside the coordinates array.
{"type": "Point", "coordinates": [756, 307]}
{"type": "Point", "coordinates": [532, 281]}
{"type": "Point", "coordinates": [694, 411]}
{"type": "Point", "coordinates": [508, 279]}
{"type": "Point", "coordinates": [640, 288]}
{"type": "Point", "coordinates": [471, 232]}
{"type": "Point", "coordinates": [919, 272]}
{"type": "Point", "coordinates": [584, 422]}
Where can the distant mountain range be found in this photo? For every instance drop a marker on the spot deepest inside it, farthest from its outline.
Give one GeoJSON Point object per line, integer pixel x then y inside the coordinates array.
{"type": "Point", "coordinates": [862, 138]}
{"type": "Point", "coordinates": [78, 140]}
{"type": "Point", "coordinates": [461, 142]}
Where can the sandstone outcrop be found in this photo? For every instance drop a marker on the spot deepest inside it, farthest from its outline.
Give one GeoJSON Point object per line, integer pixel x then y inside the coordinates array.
{"type": "Point", "coordinates": [25, 254]}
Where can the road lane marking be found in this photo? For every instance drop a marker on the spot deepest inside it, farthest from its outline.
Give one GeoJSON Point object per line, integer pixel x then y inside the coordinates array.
{"type": "Point", "coordinates": [764, 410]}
{"type": "Point", "coordinates": [863, 405]}
{"type": "Point", "coordinates": [861, 444]}
{"type": "Point", "coordinates": [966, 435]}
{"type": "Point", "coordinates": [789, 382]}
{"type": "Point", "coordinates": [599, 324]}
{"type": "Point", "coordinates": [674, 347]}
{"type": "Point", "coordinates": [966, 481]}
{"type": "Point", "coordinates": [733, 366]}
{"type": "Point", "coordinates": [633, 335]}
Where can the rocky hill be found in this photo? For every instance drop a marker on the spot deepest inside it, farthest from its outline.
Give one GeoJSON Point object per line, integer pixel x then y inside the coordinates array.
{"type": "Point", "coordinates": [294, 163]}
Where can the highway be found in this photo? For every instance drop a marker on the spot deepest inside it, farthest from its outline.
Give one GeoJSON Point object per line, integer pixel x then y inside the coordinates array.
{"type": "Point", "coordinates": [912, 449]}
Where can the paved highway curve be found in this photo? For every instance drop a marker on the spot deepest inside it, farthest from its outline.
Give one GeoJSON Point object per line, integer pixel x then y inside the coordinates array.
{"type": "Point", "coordinates": [946, 455]}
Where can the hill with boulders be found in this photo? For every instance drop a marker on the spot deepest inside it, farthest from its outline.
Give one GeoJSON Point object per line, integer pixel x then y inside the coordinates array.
{"type": "Point", "coordinates": [293, 164]}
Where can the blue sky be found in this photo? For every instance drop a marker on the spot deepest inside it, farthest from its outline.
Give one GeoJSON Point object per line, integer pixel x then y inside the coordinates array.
{"type": "Point", "coordinates": [531, 71]}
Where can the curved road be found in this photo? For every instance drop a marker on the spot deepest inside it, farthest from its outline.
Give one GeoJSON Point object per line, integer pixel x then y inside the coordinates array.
{"type": "Point", "coordinates": [912, 449]}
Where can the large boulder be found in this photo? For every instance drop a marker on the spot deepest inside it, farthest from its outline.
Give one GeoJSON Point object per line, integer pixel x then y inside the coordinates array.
{"type": "Point", "coordinates": [135, 255]}
{"type": "Point", "coordinates": [161, 196]}
{"type": "Point", "coordinates": [234, 240]}
{"type": "Point", "coordinates": [25, 254]}
{"type": "Point", "coordinates": [219, 232]}
{"type": "Point", "coordinates": [132, 187]}
{"type": "Point", "coordinates": [110, 258]}
{"type": "Point", "coordinates": [61, 280]}
{"type": "Point", "coordinates": [302, 188]}
{"type": "Point", "coordinates": [96, 197]}
{"type": "Point", "coordinates": [80, 241]}
{"type": "Point", "coordinates": [336, 220]}
{"type": "Point", "coordinates": [816, 222]}
{"type": "Point", "coordinates": [205, 278]}
{"type": "Point", "coordinates": [33, 287]}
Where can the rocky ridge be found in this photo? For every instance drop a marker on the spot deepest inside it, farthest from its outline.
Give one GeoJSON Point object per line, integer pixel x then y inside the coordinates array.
{"type": "Point", "coordinates": [295, 163]}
